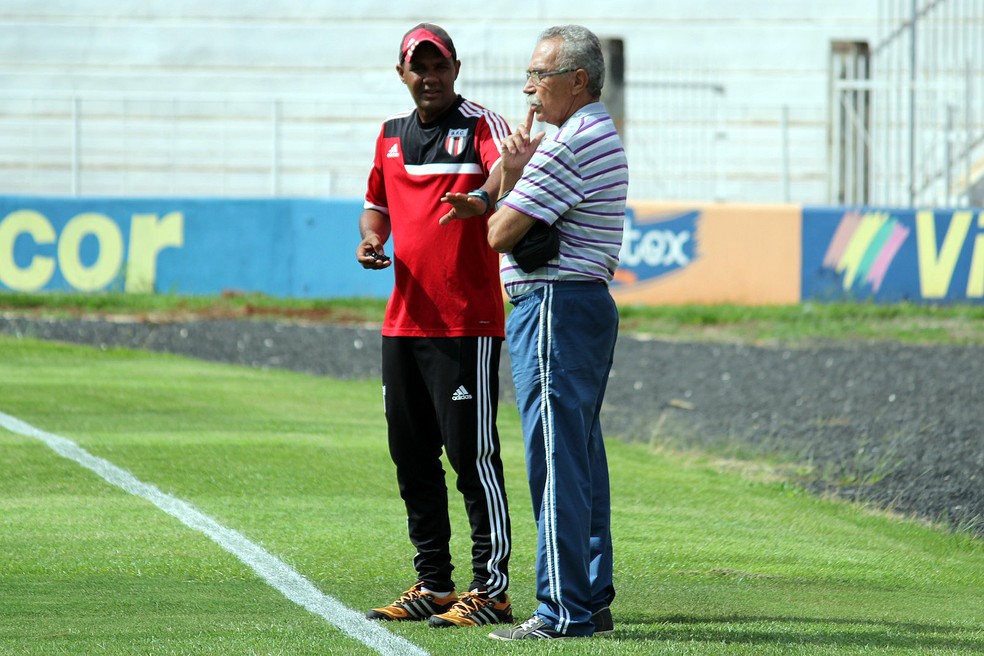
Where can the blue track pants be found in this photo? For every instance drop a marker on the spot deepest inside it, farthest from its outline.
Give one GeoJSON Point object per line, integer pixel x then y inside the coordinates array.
{"type": "Point", "coordinates": [561, 341]}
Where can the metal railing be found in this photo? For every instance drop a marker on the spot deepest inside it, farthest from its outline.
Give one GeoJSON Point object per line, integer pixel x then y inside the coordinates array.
{"type": "Point", "coordinates": [907, 118]}
{"type": "Point", "coordinates": [684, 138]}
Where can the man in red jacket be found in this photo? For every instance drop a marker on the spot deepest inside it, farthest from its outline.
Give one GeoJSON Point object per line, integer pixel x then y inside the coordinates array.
{"type": "Point", "coordinates": [443, 330]}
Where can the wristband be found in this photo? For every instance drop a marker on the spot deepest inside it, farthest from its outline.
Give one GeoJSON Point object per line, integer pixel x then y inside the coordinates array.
{"type": "Point", "coordinates": [484, 195]}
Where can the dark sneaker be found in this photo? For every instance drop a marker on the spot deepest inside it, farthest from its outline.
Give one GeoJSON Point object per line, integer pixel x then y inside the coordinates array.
{"type": "Point", "coordinates": [475, 609]}
{"type": "Point", "coordinates": [414, 604]}
{"type": "Point", "coordinates": [532, 628]}
{"type": "Point", "coordinates": [603, 622]}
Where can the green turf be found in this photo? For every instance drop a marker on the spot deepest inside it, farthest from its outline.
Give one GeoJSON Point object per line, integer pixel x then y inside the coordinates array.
{"type": "Point", "coordinates": [711, 557]}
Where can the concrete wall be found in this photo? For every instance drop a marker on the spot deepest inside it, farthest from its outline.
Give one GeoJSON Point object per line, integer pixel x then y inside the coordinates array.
{"type": "Point", "coordinates": [761, 49]}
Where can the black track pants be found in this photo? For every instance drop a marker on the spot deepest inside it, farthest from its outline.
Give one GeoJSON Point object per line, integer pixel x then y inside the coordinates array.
{"type": "Point", "coordinates": [442, 393]}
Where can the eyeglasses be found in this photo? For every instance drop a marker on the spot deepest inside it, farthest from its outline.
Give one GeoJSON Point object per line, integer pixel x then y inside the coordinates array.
{"type": "Point", "coordinates": [537, 76]}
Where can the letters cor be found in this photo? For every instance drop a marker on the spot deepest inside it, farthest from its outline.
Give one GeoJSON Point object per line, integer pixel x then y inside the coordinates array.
{"type": "Point", "coordinates": [148, 236]}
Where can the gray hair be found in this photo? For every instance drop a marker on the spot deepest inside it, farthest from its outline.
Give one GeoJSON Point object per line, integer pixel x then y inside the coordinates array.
{"type": "Point", "coordinates": [579, 48]}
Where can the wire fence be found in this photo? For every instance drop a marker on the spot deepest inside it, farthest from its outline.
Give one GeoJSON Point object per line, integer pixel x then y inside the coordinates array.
{"type": "Point", "coordinates": [683, 140]}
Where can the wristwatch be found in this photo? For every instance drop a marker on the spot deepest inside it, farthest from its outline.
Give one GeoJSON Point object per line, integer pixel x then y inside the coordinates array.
{"type": "Point", "coordinates": [484, 195]}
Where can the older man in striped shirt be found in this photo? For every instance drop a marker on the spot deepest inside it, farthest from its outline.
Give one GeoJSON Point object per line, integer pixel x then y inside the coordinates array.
{"type": "Point", "coordinates": [568, 190]}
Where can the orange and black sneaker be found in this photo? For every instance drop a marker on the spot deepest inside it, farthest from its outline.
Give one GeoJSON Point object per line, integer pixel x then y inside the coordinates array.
{"type": "Point", "coordinates": [414, 604]}
{"type": "Point", "coordinates": [476, 608]}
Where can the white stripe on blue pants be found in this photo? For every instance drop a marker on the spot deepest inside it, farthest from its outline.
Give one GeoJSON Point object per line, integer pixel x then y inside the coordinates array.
{"type": "Point", "coordinates": [561, 341]}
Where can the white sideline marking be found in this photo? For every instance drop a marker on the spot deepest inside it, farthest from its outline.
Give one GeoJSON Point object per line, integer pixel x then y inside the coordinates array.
{"type": "Point", "coordinates": [274, 571]}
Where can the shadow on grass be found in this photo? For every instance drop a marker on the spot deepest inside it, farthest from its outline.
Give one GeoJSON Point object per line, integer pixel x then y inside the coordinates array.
{"type": "Point", "coordinates": [763, 630]}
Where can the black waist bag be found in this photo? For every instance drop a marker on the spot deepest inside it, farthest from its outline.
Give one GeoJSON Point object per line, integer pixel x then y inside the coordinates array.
{"type": "Point", "coordinates": [537, 247]}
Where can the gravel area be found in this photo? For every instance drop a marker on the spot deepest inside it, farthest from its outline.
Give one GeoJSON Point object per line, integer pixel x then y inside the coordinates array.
{"type": "Point", "coordinates": [899, 427]}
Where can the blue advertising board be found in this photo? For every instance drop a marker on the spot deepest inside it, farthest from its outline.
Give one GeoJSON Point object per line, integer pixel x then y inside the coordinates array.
{"type": "Point", "coordinates": [299, 248]}
{"type": "Point", "coordinates": [891, 255]}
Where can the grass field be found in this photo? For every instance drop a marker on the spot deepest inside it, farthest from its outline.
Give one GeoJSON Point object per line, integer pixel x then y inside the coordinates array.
{"type": "Point", "coordinates": [711, 557]}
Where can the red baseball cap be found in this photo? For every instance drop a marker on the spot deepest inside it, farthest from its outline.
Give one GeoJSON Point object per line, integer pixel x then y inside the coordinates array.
{"type": "Point", "coordinates": [430, 33]}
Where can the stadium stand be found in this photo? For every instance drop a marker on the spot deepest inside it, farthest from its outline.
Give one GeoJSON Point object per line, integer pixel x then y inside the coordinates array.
{"type": "Point", "coordinates": [724, 101]}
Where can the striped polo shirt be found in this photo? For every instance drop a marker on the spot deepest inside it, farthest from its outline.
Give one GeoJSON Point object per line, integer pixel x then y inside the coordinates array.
{"type": "Point", "coordinates": [578, 178]}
